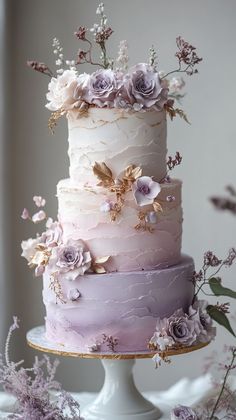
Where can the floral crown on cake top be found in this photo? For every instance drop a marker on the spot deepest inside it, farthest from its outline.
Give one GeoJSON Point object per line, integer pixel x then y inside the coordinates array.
{"type": "Point", "coordinates": [142, 87]}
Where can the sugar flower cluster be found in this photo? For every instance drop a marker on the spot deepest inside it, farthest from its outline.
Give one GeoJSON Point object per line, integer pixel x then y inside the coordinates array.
{"type": "Point", "coordinates": [49, 250]}
{"type": "Point", "coordinates": [114, 84]}
{"type": "Point", "coordinates": [183, 329]}
{"type": "Point", "coordinates": [139, 89]}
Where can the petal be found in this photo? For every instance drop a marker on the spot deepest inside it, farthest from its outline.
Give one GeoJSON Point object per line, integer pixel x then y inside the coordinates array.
{"type": "Point", "coordinates": [155, 189]}
{"type": "Point", "coordinates": [142, 200]}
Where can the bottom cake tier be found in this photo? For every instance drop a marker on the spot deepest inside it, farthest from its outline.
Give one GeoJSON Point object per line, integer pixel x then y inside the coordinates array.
{"type": "Point", "coordinates": [116, 311]}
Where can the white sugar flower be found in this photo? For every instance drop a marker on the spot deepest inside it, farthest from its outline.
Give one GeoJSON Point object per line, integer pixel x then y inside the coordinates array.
{"type": "Point", "coordinates": [145, 190]}
{"type": "Point", "coordinates": [39, 216]}
{"type": "Point", "coordinates": [157, 360]}
{"type": "Point", "coordinates": [61, 91]}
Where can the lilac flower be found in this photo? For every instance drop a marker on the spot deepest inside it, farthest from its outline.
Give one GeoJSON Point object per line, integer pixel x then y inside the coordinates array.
{"type": "Point", "coordinates": [199, 313]}
{"type": "Point", "coordinates": [101, 88]}
{"type": "Point", "coordinates": [145, 190]}
{"type": "Point", "coordinates": [182, 412]}
{"type": "Point", "coordinates": [39, 201]}
{"type": "Point", "coordinates": [25, 214]}
{"type": "Point", "coordinates": [32, 388]}
{"type": "Point", "coordinates": [144, 85]}
{"type": "Point", "coordinates": [72, 259]}
{"type": "Point", "coordinates": [182, 329]}
{"type": "Point", "coordinates": [170, 198]}
{"type": "Point", "coordinates": [39, 216]}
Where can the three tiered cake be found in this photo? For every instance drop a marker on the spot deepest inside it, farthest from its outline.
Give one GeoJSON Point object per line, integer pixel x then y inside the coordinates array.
{"type": "Point", "coordinates": [114, 278]}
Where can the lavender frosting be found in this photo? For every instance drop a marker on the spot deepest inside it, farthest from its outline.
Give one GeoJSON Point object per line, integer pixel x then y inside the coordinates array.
{"type": "Point", "coordinates": [122, 305]}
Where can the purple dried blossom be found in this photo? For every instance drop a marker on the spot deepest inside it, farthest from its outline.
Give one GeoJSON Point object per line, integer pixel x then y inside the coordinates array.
{"type": "Point", "coordinates": [211, 260]}
{"type": "Point", "coordinates": [173, 162]}
{"type": "Point", "coordinates": [198, 276]}
{"type": "Point", "coordinates": [103, 35]}
{"type": "Point", "coordinates": [81, 33]}
{"type": "Point", "coordinates": [223, 307]}
{"type": "Point", "coordinates": [187, 55]}
{"type": "Point", "coordinates": [230, 258]}
{"type": "Point", "coordinates": [182, 412]}
{"type": "Point", "coordinates": [32, 387]}
{"type": "Point", "coordinates": [40, 67]}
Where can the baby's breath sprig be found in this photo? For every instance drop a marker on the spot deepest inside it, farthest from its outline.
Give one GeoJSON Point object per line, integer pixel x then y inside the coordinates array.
{"type": "Point", "coordinates": [153, 58]}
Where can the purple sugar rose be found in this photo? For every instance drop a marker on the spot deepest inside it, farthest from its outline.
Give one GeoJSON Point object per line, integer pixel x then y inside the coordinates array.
{"type": "Point", "coordinates": [72, 259]}
{"type": "Point", "coordinates": [198, 313]}
{"type": "Point", "coordinates": [144, 85]}
{"type": "Point", "coordinates": [183, 329]}
{"type": "Point", "coordinates": [182, 412]}
{"type": "Point", "coordinates": [101, 87]}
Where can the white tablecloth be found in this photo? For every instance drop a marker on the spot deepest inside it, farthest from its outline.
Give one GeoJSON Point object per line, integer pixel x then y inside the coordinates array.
{"type": "Point", "coordinates": [186, 392]}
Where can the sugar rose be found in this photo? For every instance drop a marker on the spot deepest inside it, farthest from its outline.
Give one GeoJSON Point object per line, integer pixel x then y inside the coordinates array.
{"type": "Point", "coordinates": [61, 91]}
{"type": "Point", "coordinates": [144, 84]}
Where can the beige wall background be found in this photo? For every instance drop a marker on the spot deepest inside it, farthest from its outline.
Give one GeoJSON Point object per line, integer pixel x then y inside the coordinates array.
{"type": "Point", "coordinates": [38, 160]}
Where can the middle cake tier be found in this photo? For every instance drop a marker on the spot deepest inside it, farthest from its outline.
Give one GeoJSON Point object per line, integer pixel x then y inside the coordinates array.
{"type": "Point", "coordinates": [131, 245]}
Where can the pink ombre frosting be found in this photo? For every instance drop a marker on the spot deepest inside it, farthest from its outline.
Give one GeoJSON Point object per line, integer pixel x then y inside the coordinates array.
{"type": "Point", "coordinates": [119, 139]}
{"type": "Point", "coordinates": [129, 249]}
{"type": "Point", "coordinates": [122, 305]}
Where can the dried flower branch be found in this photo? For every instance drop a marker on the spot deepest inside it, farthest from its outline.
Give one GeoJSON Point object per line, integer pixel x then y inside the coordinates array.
{"type": "Point", "coordinates": [102, 33]}
{"type": "Point", "coordinates": [32, 386]}
{"type": "Point", "coordinates": [222, 203]}
{"type": "Point", "coordinates": [110, 341]}
{"type": "Point", "coordinates": [173, 112]}
{"type": "Point", "coordinates": [40, 67]}
{"type": "Point", "coordinates": [229, 368]}
{"type": "Point", "coordinates": [203, 278]}
{"type": "Point", "coordinates": [187, 57]}
{"type": "Point", "coordinates": [172, 163]}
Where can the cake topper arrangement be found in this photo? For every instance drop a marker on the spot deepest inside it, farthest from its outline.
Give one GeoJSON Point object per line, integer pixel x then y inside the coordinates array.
{"type": "Point", "coordinates": [141, 87]}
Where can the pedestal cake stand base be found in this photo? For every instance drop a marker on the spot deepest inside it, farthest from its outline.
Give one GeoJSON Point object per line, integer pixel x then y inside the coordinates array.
{"type": "Point", "coordinates": [119, 399]}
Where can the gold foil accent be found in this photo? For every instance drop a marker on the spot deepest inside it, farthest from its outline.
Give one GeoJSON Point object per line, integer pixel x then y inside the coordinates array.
{"type": "Point", "coordinates": [119, 356]}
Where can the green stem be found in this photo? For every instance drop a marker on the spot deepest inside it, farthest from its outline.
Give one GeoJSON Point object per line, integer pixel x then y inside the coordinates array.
{"type": "Point", "coordinates": [223, 385]}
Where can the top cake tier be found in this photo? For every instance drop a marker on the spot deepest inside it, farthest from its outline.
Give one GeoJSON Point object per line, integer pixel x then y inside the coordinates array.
{"type": "Point", "coordinates": [119, 139]}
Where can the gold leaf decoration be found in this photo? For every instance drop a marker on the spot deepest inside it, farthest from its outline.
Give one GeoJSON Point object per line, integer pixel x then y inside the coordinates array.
{"type": "Point", "coordinates": [101, 260]}
{"type": "Point", "coordinates": [99, 269]}
{"type": "Point", "coordinates": [52, 122]}
{"type": "Point", "coordinates": [132, 172]}
{"type": "Point", "coordinates": [143, 224]}
{"type": "Point", "coordinates": [157, 207]}
{"type": "Point", "coordinates": [103, 173]}
{"type": "Point", "coordinates": [55, 286]}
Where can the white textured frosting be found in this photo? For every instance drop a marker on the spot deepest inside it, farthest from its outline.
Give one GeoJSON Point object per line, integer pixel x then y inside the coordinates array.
{"type": "Point", "coordinates": [118, 138]}
{"type": "Point", "coordinates": [130, 250]}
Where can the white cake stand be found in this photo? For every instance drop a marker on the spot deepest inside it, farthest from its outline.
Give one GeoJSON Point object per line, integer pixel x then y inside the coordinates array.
{"type": "Point", "coordinates": [119, 399]}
